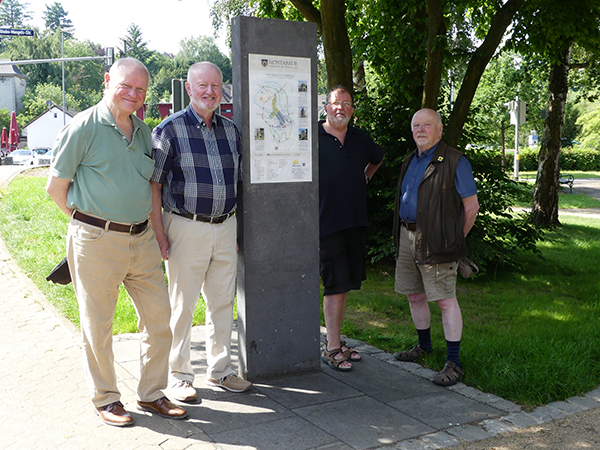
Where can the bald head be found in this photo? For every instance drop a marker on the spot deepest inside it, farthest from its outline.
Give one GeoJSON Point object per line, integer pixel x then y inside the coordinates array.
{"type": "Point", "coordinates": [427, 128]}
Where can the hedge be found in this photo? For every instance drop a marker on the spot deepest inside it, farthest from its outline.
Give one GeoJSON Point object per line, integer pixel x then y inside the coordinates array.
{"type": "Point", "coordinates": [581, 159]}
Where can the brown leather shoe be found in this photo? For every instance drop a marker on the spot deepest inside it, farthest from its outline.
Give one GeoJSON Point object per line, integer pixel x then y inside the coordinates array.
{"type": "Point", "coordinates": [163, 407]}
{"type": "Point", "coordinates": [114, 414]}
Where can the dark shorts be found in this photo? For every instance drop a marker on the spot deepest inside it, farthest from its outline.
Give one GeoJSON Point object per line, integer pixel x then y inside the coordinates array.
{"type": "Point", "coordinates": [342, 258]}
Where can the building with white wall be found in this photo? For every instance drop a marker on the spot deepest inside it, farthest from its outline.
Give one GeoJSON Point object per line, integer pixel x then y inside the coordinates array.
{"type": "Point", "coordinates": [12, 86]}
{"type": "Point", "coordinates": [43, 130]}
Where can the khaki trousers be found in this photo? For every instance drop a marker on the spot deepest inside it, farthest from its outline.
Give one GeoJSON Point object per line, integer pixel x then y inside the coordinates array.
{"type": "Point", "coordinates": [202, 260]}
{"type": "Point", "coordinates": [100, 261]}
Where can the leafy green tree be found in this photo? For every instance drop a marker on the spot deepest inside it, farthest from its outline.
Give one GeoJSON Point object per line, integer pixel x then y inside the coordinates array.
{"type": "Point", "coordinates": [204, 48]}
{"type": "Point", "coordinates": [55, 17]}
{"type": "Point", "coordinates": [46, 45]}
{"type": "Point", "coordinates": [554, 31]}
{"type": "Point", "coordinates": [14, 14]}
{"type": "Point", "coordinates": [5, 115]}
{"type": "Point", "coordinates": [35, 101]}
{"type": "Point", "coordinates": [134, 45]}
{"type": "Point", "coordinates": [590, 127]}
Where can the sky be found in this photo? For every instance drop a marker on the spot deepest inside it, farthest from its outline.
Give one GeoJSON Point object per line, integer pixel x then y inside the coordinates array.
{"type": "Point", "coordinates": [163, 23]}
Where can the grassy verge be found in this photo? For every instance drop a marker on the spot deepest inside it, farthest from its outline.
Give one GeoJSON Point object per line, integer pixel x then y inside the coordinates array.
{"type": "Point", "coordinates": [530, 335]}
{"type": "Point", "coordinates": [34, 230]}
{"type": "Point", "coordinates": [569, 201]}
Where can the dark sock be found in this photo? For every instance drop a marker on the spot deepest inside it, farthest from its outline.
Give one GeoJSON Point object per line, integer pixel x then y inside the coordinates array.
{"type": "Point", "coordinates": [425, 339]}
{"type": "Point", "coordinates": [453, 351]}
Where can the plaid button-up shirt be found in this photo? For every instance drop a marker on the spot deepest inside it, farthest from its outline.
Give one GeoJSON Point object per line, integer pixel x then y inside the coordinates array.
{"type": "Point", "coordinates": [198, 167]}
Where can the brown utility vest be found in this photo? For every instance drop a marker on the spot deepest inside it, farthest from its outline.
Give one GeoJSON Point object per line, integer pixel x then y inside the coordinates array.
{"type": "Point", "coordinates": [440, 212]}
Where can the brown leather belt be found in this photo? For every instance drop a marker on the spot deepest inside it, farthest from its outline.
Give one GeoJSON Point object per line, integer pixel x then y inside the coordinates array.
{"type": "Point", "coordinates": [134, 228]}
{"type": "Point", "coordinates": [205, 219]}
{"type": "Point", "coordinates": [410, 226]}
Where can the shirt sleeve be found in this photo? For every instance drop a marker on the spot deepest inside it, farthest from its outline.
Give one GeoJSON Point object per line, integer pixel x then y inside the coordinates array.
{"type": "Point", "coordinates": [69, 150]}
{"type": "Point", "coordinates": [162, 154]}
{"type": "Point", "coordinates": [377, 152]}
{"type": "Point", "coordinates": [465, 183]}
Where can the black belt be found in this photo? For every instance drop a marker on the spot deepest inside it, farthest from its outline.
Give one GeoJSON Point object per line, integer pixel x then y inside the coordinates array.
{"type": "Point", "coordinates": [205, 219]}
{"type": "Point", "coordinates": [410, 226]}
{"type": "Point", "coordinates": [134, 228]}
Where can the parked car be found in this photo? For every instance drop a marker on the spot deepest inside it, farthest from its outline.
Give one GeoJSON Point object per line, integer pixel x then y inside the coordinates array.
{"type": "Point", "coordinates": [41, 150]}
{"type": "Point", "coordinates": [45, 159]}
{"type": "Point", "coordinates": [24, 156]}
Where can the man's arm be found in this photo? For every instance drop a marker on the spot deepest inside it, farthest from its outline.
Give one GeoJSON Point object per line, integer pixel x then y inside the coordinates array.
{"type": "Point", "coordinates": [471, 206]}
{"type": "Point", "coordinates": [372, 168]}
{"type": "Point", "coordinates": [58, 189]}
{"type": "Point", "coordinates": [156, 220]}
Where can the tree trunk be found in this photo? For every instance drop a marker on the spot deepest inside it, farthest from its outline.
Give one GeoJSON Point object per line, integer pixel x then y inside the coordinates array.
{"type": "Point", "coordinates": [545, 194]}
{"type": "Point", "coordinates": [435, 53]}
{"type": "Point", "coordinates": [477, 65]}
{"type": "Point", "coordinates": [336, 43]}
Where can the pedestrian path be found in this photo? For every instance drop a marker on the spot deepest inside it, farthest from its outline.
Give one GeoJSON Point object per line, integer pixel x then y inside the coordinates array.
{"type": "Point", "coordinates": [382, 403]}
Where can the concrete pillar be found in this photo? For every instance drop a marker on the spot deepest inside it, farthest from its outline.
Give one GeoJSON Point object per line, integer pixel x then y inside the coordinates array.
{"type": "Point", "coordinates": [278, 212]}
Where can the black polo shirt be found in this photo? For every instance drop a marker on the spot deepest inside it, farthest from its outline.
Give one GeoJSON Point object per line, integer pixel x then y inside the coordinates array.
{"type": "Point", "coordinates": [342, 185]}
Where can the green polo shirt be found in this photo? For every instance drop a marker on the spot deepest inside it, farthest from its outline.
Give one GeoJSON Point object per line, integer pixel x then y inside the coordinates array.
{"type": "Point", "coordinates": [111, 177]}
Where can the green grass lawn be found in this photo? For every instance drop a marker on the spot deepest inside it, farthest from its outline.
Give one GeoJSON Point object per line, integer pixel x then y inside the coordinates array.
{"type": "Point", "coordinates": [34, 230]}
{"type": "Point", "coordinates": [531, 335]}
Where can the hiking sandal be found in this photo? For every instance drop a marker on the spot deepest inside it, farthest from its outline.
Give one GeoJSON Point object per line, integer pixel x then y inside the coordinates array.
{"type": "Point", "coordinates": [410, 355]}
{"type": "Point", "coordinates": [328, 357]}
{"type": "Point", "coordinates": [449, 375]}
{"type": "Point", "coordinates": [351, 354]}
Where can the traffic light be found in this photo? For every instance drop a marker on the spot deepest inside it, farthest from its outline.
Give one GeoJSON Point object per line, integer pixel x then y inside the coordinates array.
{"type": "Point", "coordinates": [522, 112]}
{"type": "Point", "coordinates": [110, 56]}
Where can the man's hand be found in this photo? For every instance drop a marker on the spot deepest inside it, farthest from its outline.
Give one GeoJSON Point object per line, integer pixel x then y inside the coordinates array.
{"type": "Point", "coordinates": [156, 220]}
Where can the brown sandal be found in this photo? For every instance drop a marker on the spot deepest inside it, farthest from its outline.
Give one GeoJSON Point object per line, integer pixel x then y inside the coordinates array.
{"type": "Point", "coordinates": [328, 357]}
{"type": "Point", "coordinates": [351, 354]}
{"type": "Point", "coordinates": [449, 375]}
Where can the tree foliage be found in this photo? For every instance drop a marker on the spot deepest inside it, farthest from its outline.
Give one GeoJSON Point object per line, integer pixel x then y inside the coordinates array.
{"type": "Point", "coordinates": [56, 18]}
{"type": "Point", "coordinates": [14, 14]}
{"type": "Point", "coordinates": [203, 48]}
{"type": "Point", "coordinates": [134, 46]}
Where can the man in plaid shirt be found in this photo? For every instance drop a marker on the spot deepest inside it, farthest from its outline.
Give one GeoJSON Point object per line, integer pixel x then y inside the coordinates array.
{"type": "Point", "coordinates": [198, 156]}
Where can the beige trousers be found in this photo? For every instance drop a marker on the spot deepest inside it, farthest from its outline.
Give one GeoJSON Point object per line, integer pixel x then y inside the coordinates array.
{"type": "Point", "coordinates": [100, 261]}
{"type": "Point", "coordinates": [202, 260]}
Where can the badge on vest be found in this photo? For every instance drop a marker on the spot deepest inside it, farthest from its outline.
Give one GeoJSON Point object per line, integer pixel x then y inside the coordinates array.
{"type": "Point", "coordinates": [440, 158]}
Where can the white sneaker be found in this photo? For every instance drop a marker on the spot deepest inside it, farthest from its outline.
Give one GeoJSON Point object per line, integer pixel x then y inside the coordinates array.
{"type": "Point", "coordinates": [184, 391]}
{"type": "Point", "coordinates": [231, 382]}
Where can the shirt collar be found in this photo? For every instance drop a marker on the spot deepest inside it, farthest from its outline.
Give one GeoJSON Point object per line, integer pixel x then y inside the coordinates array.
{"type": "Point", "coordinates": [107, 118]}
{"type": "Point", "coordinates": [199, 118]}
{"type": "Point", "coordinates": [427, 153]}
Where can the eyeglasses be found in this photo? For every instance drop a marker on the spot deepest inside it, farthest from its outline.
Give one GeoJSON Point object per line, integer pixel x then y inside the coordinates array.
{"type": "Point", "coordinates": [344, 104]}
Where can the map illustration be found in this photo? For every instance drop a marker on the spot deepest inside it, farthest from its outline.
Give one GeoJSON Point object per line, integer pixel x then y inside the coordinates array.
{"type": "Point", "coordinates": [273, 101]}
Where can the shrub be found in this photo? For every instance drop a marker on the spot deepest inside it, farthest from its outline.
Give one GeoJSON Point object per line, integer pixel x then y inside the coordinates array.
{"type": "Point", "coordinates": [571, 158]}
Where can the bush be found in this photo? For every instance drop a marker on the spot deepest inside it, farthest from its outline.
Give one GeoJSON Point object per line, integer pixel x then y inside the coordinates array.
{"type": "Point", "coordinates": [499, 234]}
{"type": "Point", "coordinates": [571, 158]}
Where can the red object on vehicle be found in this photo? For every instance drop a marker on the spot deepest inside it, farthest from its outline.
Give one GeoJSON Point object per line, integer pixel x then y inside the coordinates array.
{"type": "Point", "coordinates": [13, 135]}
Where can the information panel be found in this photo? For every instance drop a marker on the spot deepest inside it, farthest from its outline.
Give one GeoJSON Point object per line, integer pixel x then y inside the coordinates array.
{"type": "Point", "coordinates": [280, 119]}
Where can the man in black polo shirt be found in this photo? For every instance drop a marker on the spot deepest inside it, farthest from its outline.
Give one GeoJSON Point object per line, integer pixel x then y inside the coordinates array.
{"type": "Point", "coordinates": [348, 158]}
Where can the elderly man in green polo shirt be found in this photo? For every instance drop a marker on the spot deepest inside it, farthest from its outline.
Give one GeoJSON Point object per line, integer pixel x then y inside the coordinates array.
{"type": "Point", "coordinates": [100, 177]}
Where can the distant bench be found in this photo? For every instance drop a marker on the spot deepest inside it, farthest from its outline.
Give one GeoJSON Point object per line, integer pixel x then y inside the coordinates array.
{"type": "Point", "coordinates": [568, 181]}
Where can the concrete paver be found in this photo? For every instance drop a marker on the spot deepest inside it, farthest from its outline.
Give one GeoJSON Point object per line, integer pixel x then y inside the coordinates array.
{"type": "Point", "coordinates": [382, 403]}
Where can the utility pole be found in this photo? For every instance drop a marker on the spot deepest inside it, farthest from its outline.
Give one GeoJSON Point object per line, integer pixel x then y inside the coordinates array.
{"type": "Point", "coordinates": [517, 117]}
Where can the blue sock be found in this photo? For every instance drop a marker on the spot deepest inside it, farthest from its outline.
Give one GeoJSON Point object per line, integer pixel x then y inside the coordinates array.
{"type": "Point", "coordinates": [453, 351]}
{"type": "Point", "coordinates": [425, 339]}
